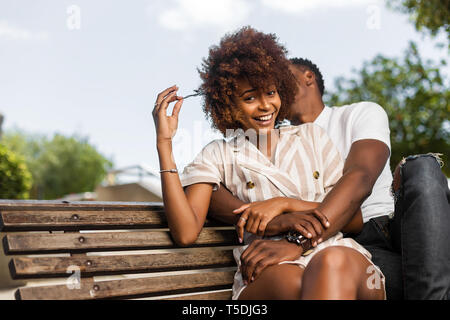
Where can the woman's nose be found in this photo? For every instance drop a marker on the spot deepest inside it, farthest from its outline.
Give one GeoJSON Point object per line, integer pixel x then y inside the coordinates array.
{"type": "Point", "coordinates": [264, 103]}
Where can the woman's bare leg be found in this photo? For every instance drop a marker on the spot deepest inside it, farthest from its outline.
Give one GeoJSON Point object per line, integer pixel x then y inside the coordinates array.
{"type": "Point", "coordinates": [340, 273]}
{"type": "Point", "coordinates": [277, 282]}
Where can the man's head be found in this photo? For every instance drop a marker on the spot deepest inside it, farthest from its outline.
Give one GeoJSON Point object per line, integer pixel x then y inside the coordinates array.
{"type": "Point", "coordinates": [309, 80]}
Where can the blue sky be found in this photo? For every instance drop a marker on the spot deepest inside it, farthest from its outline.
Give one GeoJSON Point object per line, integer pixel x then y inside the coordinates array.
{"type": "Point", "coordinates": [94, 67]}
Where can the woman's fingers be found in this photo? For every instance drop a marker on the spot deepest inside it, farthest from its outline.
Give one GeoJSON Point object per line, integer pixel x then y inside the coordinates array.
{"type": "Point", "coordinates": [163, 94]}
{"type": "Point", "coordinates": [165, 103]}
{"type": "Point", "coordinates": [162, 97]}
{"type": "Point", "coordinates": [241, 224]}
{"type": "Point", "coordinates": [241, 208]}
{"type": "Point", "coordinates": [177, 107]}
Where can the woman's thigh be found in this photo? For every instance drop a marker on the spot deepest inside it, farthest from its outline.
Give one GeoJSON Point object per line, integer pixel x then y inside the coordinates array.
{"type": "Point", "coordinates": [277, 282]}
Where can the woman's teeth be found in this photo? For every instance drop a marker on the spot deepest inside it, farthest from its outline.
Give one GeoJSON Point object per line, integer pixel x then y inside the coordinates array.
{"type": "Point", "coordinates": [265, 118]}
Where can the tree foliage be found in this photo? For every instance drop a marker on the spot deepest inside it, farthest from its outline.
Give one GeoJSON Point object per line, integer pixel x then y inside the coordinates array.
{"type": "Point", "coordinates": [61, 165]}
{"type": "Point", "coordinates": [15, 178]}
{"type": "Point", "coordinates": [415, 96]}
{"type": "Point", "coordinates": [431, 15]}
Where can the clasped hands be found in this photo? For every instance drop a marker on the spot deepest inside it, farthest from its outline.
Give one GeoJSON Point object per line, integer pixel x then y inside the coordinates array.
{"type": "Point", "coordinates": [269, 218]}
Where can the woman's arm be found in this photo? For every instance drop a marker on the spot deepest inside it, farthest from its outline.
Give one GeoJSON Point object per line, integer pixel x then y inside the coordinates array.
{"type": "Point", "coordinates": [185, 212]}
{"type": "Point", "coordinates": [185, 209]}
{"type": "Point", "coordinates": [222, 205]}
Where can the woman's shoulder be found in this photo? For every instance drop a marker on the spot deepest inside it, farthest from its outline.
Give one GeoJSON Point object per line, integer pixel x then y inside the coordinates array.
{"type": "Point", "coordinates": [306, 130]}
{"type": "Point", "coordinates": [215, 144]}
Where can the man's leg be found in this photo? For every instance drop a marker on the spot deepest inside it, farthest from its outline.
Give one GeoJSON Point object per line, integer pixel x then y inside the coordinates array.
{"type": "Point", "coordinates": [375, 238]}
{"type": "Point", "coordinates": [420, 228]}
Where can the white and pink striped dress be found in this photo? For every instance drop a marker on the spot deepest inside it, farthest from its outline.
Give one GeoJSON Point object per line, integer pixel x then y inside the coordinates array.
{"type": "Point", "coordinates": [305, 166]}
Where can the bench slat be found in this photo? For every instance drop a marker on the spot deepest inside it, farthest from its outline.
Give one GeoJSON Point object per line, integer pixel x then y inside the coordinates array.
{"type": "Point", "coordinates": [219, 295]}
{"type": "Point", "coordinates": [74, 205]}
{"type": "Point", "coordinates": [26, 243]}
{"type": "Point", "coordinates": [33, 267]}
{"type": "Point", "coordinates": [152, 286]}
{"type": "Point", "coordinates": [39, 220]}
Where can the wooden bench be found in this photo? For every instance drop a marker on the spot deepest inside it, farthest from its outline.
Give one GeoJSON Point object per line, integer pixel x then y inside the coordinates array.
{"type": "Point", "coordinates": [97, 250]}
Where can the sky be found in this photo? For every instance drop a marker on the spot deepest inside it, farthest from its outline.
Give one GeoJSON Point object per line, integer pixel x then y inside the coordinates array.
{"type": "Point", "coordinates": [94, 68]}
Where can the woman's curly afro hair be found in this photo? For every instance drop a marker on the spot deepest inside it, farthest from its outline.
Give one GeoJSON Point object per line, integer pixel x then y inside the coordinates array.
{"type": "Point", "coordinates": [245, 54]}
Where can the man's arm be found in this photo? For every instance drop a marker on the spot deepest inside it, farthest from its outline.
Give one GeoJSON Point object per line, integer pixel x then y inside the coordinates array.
{"type": "Point", "coordinates": [222, 205]}
{"type": "Point", "coordinates": [364, 164]}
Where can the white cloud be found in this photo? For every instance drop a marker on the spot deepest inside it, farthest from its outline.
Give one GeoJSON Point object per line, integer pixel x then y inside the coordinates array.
{"type": "Point", "coordinates": [9, 31]}
{"type": "Point", "coordinates": [302, 6]}
{"type": "Point", "coordinates": [191, 14]}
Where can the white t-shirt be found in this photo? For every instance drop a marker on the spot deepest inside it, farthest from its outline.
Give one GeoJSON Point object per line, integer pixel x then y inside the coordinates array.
{"type": "Point", "coordinates": [357, 121]}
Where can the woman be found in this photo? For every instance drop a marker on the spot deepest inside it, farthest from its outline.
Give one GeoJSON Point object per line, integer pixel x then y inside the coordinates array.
{"type": "Point", "coordinates": [247, 90]}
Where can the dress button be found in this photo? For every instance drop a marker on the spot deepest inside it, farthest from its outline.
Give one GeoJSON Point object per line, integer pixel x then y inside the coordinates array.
{"type": "Point", "coordinates": [316, 174]}
{"type": "Point", "coordinates": [250, 185]}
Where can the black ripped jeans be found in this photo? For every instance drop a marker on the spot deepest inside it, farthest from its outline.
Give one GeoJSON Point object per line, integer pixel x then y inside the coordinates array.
{"type": "Point", "coordinates": [412, 248]}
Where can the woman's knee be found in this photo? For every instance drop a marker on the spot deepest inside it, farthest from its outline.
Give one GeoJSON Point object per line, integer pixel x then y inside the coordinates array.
{"type": "Point", "coordinates": [334, 259]}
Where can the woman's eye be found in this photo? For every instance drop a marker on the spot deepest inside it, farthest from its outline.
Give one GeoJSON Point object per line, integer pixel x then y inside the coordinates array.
{"type": "Point", "coordinates": [249, 98]}
{"type": "Point", "coordinates": [271, 93]}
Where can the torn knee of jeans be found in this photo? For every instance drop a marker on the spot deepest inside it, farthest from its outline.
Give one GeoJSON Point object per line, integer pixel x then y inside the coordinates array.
{"type": "Point", "coordinates": [438, 158]}
{"type": "Point", "coordinates": [397, 180]}
{"type": "Point", "coordinates": [435, 155]}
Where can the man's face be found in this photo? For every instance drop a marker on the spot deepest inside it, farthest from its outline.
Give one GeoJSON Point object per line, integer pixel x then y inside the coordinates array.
{"type": "Point", "coordinates": [300, 79]}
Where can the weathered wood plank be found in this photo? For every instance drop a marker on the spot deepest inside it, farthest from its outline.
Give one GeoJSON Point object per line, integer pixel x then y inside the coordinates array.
{"type": "Point", "coordinates": [220, 295]}
{"type": "Point", "coordinates": [80, 219]}
{"type": "Point", "coordinates": [57, 204]}
{"type": "Point", "coordinates": [26, 243]}
{"type": "Point", "coordinates": [33, 267]}
{"type": "Point", "coordinates": [82, 216]}
{"type": "Point", "coordinates": [152, 286]}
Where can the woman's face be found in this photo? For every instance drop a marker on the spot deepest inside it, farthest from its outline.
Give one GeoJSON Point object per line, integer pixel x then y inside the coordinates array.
{"type": "Point", "coordinates": [259, 107]}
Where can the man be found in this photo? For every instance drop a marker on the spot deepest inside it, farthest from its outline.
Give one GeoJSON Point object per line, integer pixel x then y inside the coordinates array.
{"type": "Point", "coordinates": [407, 239]}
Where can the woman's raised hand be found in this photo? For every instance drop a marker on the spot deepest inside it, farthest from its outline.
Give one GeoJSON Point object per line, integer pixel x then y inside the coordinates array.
{"type": "Point", "coordinates": [166, 126]}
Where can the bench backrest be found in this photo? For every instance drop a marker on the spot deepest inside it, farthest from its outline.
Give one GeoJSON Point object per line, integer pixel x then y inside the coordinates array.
{"type": "Point", "coordinates": [127, 243]}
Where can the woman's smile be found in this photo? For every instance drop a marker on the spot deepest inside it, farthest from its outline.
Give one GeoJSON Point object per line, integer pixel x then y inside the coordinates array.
{"type": "Point", "coordinates": [265, 120]}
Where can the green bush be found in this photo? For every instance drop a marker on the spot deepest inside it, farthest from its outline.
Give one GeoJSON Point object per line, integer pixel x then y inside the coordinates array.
{"type": "Point", "coordinates": [15, 179]}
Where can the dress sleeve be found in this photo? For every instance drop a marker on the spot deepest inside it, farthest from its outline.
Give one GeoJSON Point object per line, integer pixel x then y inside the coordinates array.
{"type": "Point", "coordinates": [207, 167]}
{"type": "Point", "coordinates": [332, 162]}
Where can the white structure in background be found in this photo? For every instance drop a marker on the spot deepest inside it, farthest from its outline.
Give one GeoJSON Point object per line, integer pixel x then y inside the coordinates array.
{"type": "Point", "coordinates": [133, 183]}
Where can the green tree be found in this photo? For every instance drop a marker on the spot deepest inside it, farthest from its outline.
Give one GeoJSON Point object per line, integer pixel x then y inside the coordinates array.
{"type": "Point", "coordinates": [61, 165]}
{"type": "Point", "coordinates": [15, 179]}
{"type": "Point", "coordinates": [431, 15]}
{"type": "Point", "coordinates": [415, 96]}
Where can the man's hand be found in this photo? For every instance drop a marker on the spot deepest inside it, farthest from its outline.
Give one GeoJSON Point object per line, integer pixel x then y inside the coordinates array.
{"type": "Point", "coordinates": [311, 224]}
{"type": "Point", "coordinates": [261, 254]}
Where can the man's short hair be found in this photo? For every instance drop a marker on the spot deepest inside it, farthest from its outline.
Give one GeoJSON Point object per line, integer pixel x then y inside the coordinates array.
{"type": "Point", "coordinates": [305, 64]}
